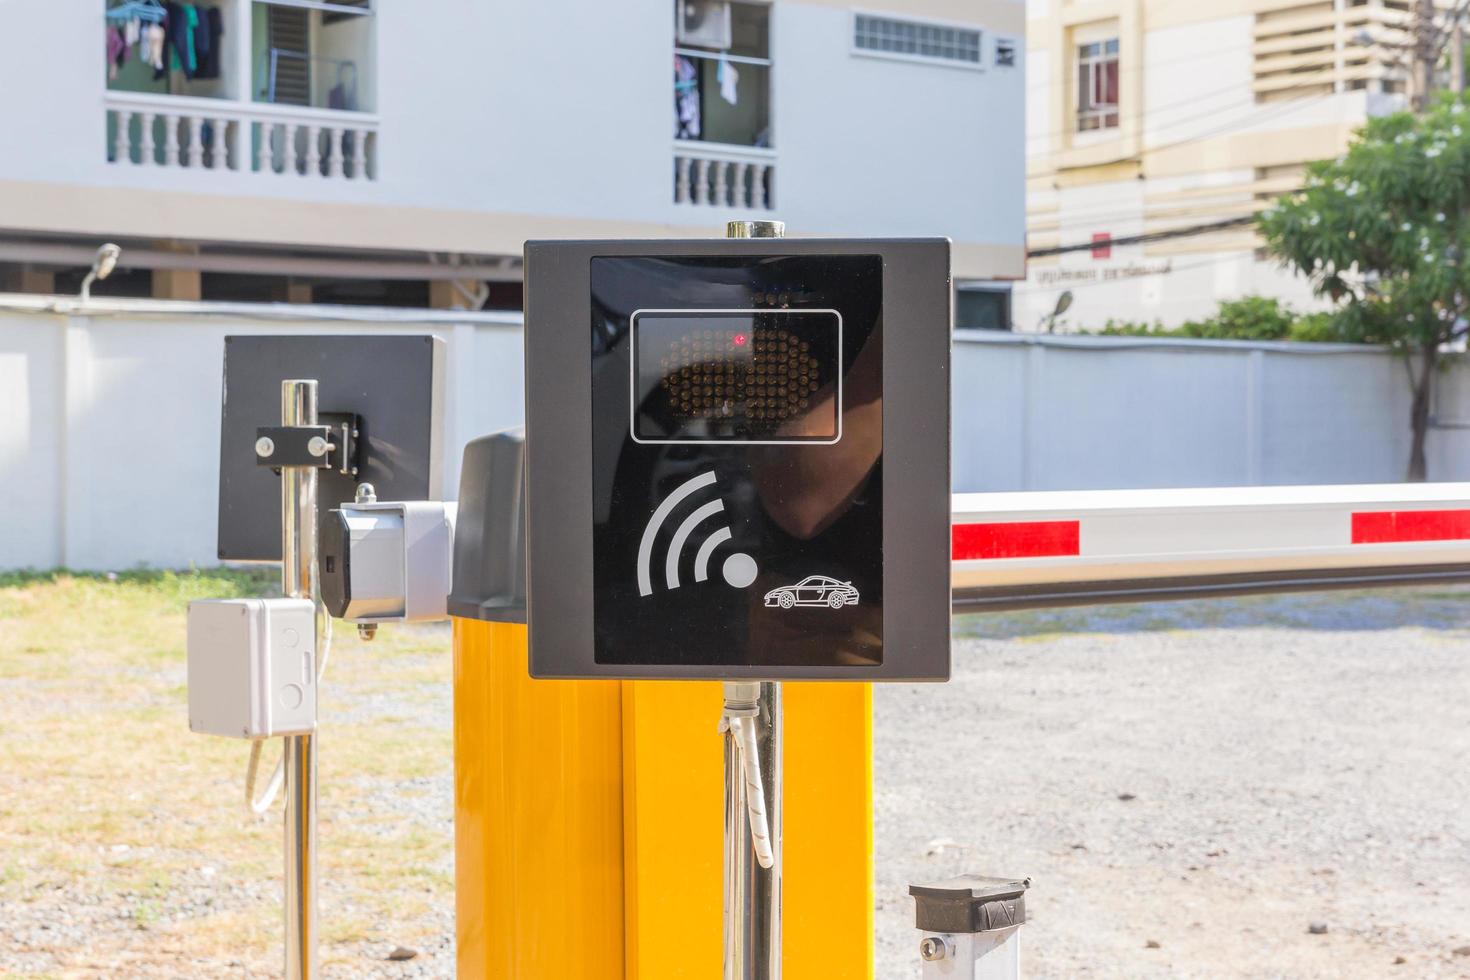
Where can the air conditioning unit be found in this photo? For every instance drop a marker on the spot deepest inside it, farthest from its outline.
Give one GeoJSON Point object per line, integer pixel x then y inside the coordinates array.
{"type": "Point", "coordinates": [705, 23]}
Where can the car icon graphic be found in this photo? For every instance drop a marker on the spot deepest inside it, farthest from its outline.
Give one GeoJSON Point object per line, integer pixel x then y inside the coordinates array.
{"type": "Point", "coordinates": [814, 590]}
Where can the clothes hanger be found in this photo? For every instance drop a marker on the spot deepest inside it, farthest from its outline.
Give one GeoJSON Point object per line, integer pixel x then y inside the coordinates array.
{"type": "Point", "coordinates": [149, 10]}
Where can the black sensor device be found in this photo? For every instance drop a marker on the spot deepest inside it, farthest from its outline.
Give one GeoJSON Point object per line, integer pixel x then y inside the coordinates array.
{"type": "Point", "coordinates": [738, 459]}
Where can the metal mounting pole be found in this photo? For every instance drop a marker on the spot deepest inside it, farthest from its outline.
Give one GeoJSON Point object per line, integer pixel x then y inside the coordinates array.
{"type": "Point", "coordinates": [753, 893]}
{"type": "Point", "coordinates": [298, 580]}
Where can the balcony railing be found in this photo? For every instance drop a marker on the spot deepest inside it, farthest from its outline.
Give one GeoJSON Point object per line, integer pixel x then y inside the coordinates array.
{"type": "Point", "coordinates": [718, 175]}
{"type": "Point", "coordinates": [211, 134]}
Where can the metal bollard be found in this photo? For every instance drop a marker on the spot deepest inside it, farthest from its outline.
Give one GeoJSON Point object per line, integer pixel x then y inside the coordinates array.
{"type": "Point", "coordinates": [971, 926]}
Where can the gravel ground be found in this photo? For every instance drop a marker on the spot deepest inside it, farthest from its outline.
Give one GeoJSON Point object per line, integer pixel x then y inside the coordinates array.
{"type": "Point", "coordinates": [1191, 787]}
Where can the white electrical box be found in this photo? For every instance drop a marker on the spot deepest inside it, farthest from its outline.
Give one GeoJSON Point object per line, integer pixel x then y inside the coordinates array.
{"type": "Point", "coordinates": [252, 667]}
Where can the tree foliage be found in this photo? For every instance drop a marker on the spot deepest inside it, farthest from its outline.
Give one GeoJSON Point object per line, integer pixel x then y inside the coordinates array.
{"type": "Point", "coordinates": [1248, 318]}
{"type": "Point", "coordinates": [1384, 230]}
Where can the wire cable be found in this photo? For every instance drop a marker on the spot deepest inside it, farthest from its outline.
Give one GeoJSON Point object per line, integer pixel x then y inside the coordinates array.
{"type": "Point", "coordinates": [742, 730]}
{"type": "Point", "coordinates": [1153, 236]}
{"type": "Point", "coordinates": [259, 806]}
{"type": "Point", "coordinates": [739, 724]}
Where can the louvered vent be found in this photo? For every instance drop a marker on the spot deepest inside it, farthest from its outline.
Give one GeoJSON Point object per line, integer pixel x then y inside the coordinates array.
{"type": "Point", "coordinates": [288, 29]}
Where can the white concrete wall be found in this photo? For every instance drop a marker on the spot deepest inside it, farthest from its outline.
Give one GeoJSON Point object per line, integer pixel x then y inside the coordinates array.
{"type": "Point", "coordinates": [109, 425]}
{"type": "Point", "coordinates": [1083, 413]}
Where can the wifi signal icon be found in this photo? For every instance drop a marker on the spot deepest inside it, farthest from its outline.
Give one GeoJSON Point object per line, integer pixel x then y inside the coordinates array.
{"type": "Point", "coordinates": [738, 569]}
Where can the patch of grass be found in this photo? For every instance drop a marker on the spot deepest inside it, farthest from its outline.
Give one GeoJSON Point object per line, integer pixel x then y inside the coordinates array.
{"type": "Point", "coordinates": [95, 753]}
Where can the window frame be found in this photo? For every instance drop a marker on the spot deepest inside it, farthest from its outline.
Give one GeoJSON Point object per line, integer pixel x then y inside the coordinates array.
{"type": "Point", "coordinates": [1011, 44]}
{"type": "Point", "coordinates": [767, 62]}
{"type": "Point", "coordinates": [364, 10]}
{"type": "Point", "coordinates": [918, 59]}
{"type": "Point", "coordinates": [1087, 67]}
{"type": "Point", "coordinates": [1004, 290]}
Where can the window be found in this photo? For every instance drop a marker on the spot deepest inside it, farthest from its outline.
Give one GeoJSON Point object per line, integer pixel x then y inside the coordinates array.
{"type": "Point", "coordinates": [916, 39]}
{"type": "Point", "coordinates": [722, 72]}
{"type": "Point", "coordinates": [137, 61]}
{"type": "Point", "coordinates": [982, 307]}
{"type": "Point", "coordinates": [317, 53]}
{"type": "Point", "coordinates": [1005, 53]}
{"type": "Point", "coordinates": [1097, 85]}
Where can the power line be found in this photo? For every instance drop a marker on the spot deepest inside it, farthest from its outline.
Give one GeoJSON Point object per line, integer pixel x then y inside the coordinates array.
{"type": "Point", "coordinates": [1171, 270]}
{"type": "Point", "coordinates": [1190, 231]}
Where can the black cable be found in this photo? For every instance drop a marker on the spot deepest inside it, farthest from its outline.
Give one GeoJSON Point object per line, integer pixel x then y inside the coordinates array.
{"type": "Point", "coordinates": [1153, 236]}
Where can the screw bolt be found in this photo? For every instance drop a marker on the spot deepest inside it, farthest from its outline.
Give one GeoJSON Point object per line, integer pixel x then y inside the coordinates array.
{"type": "Point", "coordinates": [265, 447]}
{"type": "Point", "coordinates": [317, 446]}
{"type": "Point", "coordinates": [934, 948]}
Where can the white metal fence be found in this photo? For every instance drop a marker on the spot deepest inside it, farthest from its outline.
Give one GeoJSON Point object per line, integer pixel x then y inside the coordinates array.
{"type": "Point", "coordinates": [109, 421]}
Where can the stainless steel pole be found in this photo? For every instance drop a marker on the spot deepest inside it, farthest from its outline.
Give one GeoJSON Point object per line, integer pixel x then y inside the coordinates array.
{"type": "Point", "coordinates": [753, 893]}
{"type": "Point", "coordinates": [298, 580]}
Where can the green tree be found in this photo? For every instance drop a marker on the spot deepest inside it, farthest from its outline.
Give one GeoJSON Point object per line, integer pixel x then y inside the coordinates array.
{"type": "Point", "coordinates": [1384, 230]}
{"type": "Point", "coordinates": [1246, 318]}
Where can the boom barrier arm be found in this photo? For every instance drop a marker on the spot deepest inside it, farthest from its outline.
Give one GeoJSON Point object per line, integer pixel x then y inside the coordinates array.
{"type": "Point", "coordinates": [1030, 550]}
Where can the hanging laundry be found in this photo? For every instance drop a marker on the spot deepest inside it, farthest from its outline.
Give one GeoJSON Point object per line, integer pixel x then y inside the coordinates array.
{"type": "Point", "coordinates": [173, 15]}
{"type": "Point", "coordinates": [729, 78]}
{"type": "Point", "coordinates": [343, 95]}
{"type": "Point", "coordinates": [687, 124]}
{"type": "Point", "coordinates": [191, 27]}
{"type": "Point", "coordinates": [117, 52]}
{"type": "Point", "coordinates": [155, 39]}
{"type": "Point", "coordinates": [208, 41]}
{"type": "Point", "coordinates": [132, 31]}
{"type": "Point", "coordinates": [180, 24]}
{"type": "Point", "coordinates": [199, 34]}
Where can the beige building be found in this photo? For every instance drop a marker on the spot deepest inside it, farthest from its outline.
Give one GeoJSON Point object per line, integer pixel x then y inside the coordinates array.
{"type": "Point", "coordinates": [1172, 121]}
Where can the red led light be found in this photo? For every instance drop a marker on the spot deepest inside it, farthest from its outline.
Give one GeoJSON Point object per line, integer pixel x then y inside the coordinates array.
{"type": "Point", "coordinates": [740, 339]}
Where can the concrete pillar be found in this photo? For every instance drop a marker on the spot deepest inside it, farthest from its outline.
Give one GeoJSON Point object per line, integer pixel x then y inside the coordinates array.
{"type": "Point", "coordinates": [443, 295]}
{"type": "Point", "coordinates": [298, 292]}
{"type": "Point", "coordinates": [184, 284]}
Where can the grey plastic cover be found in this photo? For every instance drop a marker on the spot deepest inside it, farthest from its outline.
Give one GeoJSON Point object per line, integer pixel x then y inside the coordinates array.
{"type": "Point", "coordinates": [489, 535]}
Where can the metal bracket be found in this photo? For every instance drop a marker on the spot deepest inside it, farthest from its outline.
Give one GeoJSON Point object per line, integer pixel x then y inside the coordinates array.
{"type": "Point", "coordinates": [347, 437]}
{"type": "Point", "coordinates": [332, 445]}
{"type": "Point", "coordinates": [279, 446]}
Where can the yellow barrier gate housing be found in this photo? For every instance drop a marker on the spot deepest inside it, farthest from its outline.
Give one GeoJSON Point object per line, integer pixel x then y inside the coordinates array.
{"type": "Point", "coordinates": [588, 823]}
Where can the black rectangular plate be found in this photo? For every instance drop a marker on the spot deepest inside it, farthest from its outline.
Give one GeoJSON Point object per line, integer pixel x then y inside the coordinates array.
{"type": "Point", "coordinates": [392, 382]}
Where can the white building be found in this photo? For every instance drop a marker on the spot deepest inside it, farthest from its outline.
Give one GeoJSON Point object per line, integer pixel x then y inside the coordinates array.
{"type": "Point", "coordinates": [376, 150]}
{"type": "Point", "coordinates": [1161, 116]}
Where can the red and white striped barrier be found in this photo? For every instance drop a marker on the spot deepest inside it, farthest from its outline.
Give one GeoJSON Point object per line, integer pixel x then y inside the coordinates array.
{"type": "Point", "coordinates": [1015, 550]}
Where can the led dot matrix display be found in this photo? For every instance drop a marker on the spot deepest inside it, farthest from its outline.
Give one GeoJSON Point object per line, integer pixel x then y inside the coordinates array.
{"type": "Point", "coordinates": [752, 376]}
